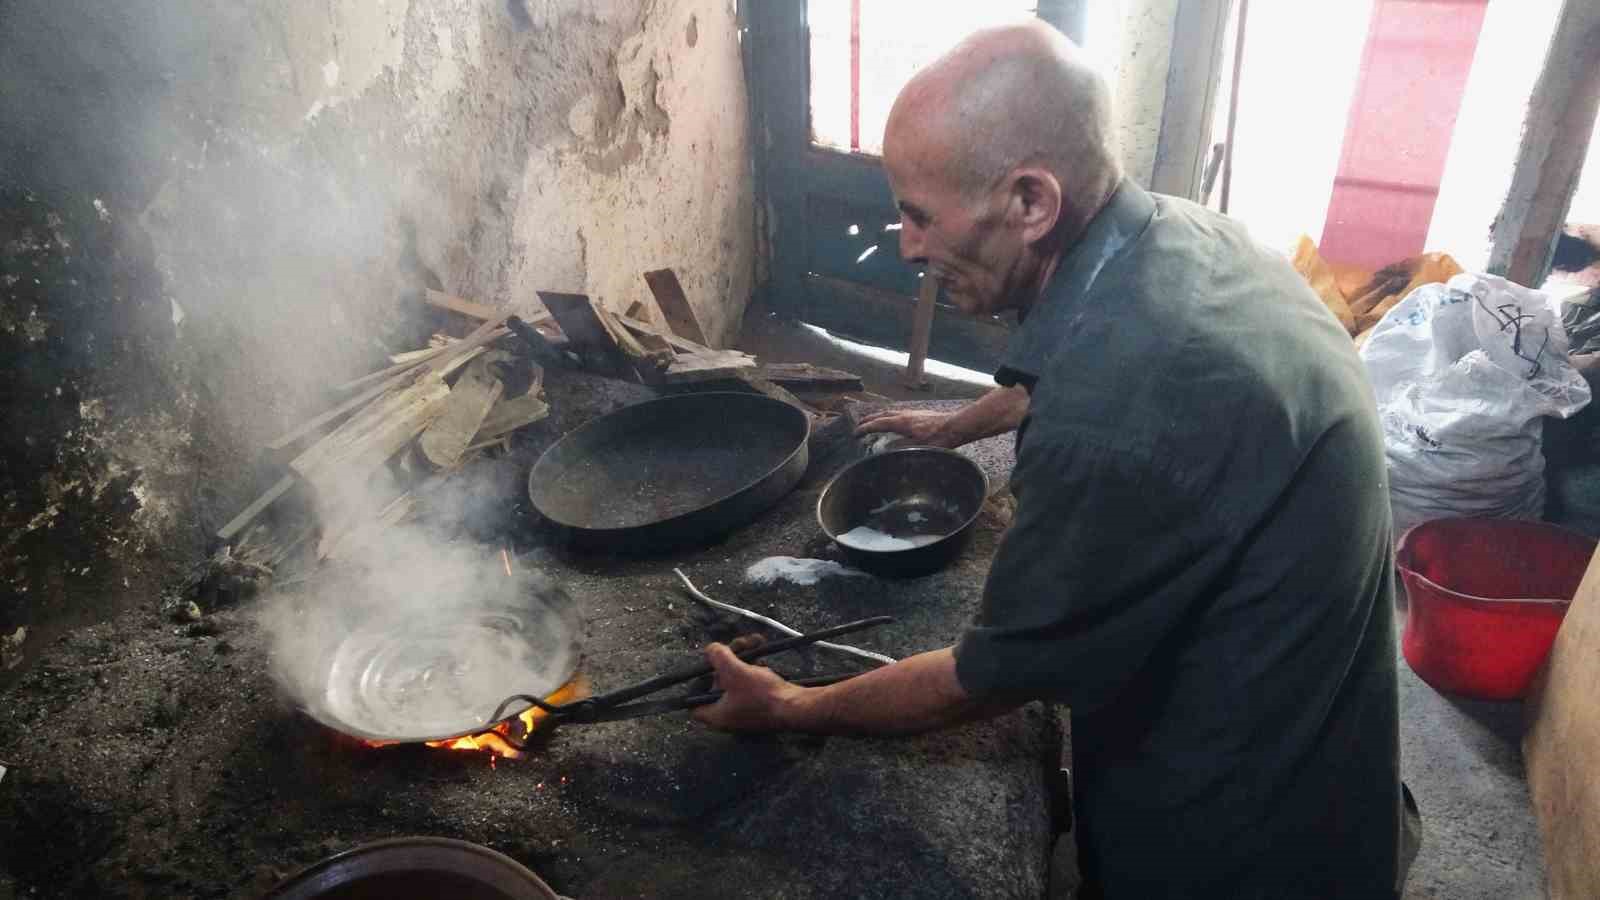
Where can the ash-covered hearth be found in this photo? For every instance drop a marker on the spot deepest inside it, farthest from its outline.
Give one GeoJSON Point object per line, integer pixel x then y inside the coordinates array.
{"type": "Point", "coordinates": [148, 757]}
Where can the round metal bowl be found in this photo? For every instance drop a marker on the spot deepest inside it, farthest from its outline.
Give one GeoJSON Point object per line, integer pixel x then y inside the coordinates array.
{"type": "Point", "coordinates": [671, 472]}
{"type": "Point", "coordinates": [415, 867]}
{"type": "Point", "coordinates": [904, 512]}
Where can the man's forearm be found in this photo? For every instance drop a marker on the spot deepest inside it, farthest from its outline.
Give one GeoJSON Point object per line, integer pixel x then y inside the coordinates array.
{"type": "Point", "coordinates": [997, 412]}
{"type": "Point", "coordinates": [917, 694]}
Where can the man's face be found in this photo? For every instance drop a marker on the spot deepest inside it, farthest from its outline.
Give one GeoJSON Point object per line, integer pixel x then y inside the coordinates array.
{"type": "Point", "coordinates": [963, 239]}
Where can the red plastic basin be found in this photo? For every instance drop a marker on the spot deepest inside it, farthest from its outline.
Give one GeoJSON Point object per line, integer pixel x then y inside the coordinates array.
{"type": "Point", "coordinates": [1486, 597]}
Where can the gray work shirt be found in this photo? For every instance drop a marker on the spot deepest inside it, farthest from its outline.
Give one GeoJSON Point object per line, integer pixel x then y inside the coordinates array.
{"type": "Point", "coordinates": [1200, 566]}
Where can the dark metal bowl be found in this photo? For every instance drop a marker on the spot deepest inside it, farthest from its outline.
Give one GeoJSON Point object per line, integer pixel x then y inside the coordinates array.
{"type": "Point", "coordinates": [924, 495]}
{"type": "Point", "coordinates": [671, 472]}
{"type": "Point", "coordinates": [415, 867]}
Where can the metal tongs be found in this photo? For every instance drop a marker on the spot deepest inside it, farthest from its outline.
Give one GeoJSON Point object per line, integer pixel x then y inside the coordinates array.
{"type": "Point", "coordinates": [615, 706]}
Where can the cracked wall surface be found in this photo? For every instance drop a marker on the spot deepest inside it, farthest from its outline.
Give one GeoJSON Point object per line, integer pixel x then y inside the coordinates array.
{"type": "Point", "coordinates": [283, 177]}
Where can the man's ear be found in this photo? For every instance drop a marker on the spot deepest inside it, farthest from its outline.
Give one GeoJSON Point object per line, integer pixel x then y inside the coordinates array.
{"type": "Point", "coordinates": [1035, 202]}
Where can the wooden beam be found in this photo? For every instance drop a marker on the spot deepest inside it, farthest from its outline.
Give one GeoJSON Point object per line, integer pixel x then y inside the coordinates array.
{"type": "Point", "coordinates": [1555, 141]}
{"type": "Point", "coordinates": [675, 308]}
{"type": "Point", "coordinates": [922, 332]}
{"type": "Point", "coordinates": [1199, 38]}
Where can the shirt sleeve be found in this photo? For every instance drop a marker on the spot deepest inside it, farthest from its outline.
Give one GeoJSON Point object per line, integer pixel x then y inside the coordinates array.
{"type": "Point", "coordinates": [1111, 555]}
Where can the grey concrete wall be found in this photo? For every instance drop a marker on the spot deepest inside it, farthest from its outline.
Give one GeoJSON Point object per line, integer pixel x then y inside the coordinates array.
{"type": "Point", "coordinates": [283, 173]}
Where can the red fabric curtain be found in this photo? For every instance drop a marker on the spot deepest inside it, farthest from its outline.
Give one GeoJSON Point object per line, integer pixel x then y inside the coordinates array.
{"type": "Point", "coordinates": [1413, 74]}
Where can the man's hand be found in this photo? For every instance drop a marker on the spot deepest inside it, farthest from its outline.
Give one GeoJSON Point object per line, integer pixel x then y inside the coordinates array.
{"type": "Point", "coordinates": [928, 428]}
{"type": "Point", "coordinates": [753, 696]}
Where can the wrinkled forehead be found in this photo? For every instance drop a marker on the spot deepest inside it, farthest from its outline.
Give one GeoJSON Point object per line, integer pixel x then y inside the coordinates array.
{"type": "Point", "coordinates": [919, 149]}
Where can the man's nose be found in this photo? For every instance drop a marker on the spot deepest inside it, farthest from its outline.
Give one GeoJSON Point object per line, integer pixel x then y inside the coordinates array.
{"type": "Point", "coordinates": [911, 249]}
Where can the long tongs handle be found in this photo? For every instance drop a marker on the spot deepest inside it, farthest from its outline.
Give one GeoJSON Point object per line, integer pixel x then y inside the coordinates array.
{"type": "Point", "coordinates": [650, 686]}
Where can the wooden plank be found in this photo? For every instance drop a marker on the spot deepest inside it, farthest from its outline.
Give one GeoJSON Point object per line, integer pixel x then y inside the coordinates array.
{"type": "Point", "coordinates": [763, 386]}
{"type": "Point", "coordinates": [1562, 111]}
{"type": "Point", "coordinates": [486, 333]}
{"type": "Point", "coordinates": [682, 345]}
{"type": "Point", "coordinates": [1561, 748]}
{"type": "Point", "coordinates": [347, 455]}
{"type": "Point", "coordinates": [315, 423]}
{"type": "Point", "coordinates": [473, 309]}
{"type": "Point", "coordinates": [443, 363]}
{"type": "Point", "coordinates": [239, 522]}
{"type": "Point", "coordinates": [469, 308]}
{"type": "Point", "coordinates": [444, 343]}
{"type": "Point", "coordinates": [675, 307]}
{"type": "Point", "coordinates": [806, 377]}
{"type": "Point", "coordinates": [647, 359]}
{"type": "Point", "coordinates": [471, 398]}
{"type": "Point", "coordinates": [399, 362]}
{"type": "Point", "coordinates": [690, 368]}
{"type": "Point", "coordinates": [579, 321]}
{"type": "Point", "coordinates": [922, 332]}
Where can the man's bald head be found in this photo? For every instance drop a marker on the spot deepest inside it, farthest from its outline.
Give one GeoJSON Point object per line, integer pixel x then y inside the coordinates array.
{"type": "Point", "coordinates": [1006, 97]}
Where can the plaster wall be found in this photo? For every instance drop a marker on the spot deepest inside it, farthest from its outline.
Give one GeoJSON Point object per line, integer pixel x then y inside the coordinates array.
{"type": "Point", "coordinates": [215, 211]}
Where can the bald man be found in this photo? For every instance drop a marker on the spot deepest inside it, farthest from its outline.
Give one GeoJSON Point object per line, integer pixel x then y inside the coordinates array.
{"type": "Point", "coordinates": [1200, 562]}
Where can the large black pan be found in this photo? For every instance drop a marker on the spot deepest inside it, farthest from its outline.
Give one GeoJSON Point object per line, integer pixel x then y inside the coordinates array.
{"type": "Point", "coordinates": [671, 472]}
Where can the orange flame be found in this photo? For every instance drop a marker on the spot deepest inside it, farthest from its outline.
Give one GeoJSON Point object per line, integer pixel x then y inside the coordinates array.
{"type": "Point", "coordinates": [495, 741]}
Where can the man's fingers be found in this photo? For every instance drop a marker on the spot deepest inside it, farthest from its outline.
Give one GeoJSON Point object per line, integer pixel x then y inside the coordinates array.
{"type": "Point", "coordinates": [746, 642]}
{"type": "Point", "coordinates": [882, 422]}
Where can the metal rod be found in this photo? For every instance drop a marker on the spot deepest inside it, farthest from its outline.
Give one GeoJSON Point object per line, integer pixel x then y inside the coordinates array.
{"type": "Point", "coordinates": [701, 670]}
{"type": "Point", "coordinates": [775, 625]}
{"type": "Point", "coordinates": [709, 697]}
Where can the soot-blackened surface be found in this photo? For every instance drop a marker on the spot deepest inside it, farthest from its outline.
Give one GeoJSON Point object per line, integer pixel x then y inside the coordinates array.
{"type": "Point", "coordinates": [149, 759]}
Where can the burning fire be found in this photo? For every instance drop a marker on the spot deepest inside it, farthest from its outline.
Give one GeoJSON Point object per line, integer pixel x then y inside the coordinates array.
{"type": "Point", "coordinates": [495, 742]}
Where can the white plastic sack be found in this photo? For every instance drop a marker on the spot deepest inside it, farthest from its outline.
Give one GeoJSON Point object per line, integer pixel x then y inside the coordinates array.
{"type": "Point", "coordinates": [1464, 373]}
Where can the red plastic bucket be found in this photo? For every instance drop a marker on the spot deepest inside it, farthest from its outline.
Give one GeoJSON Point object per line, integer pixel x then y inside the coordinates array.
{"type": "Point", "coordinates": [1486, 597]}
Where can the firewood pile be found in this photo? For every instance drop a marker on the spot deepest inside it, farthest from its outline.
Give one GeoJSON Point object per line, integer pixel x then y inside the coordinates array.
{"type": "Point", "coordinates": [433, 409]}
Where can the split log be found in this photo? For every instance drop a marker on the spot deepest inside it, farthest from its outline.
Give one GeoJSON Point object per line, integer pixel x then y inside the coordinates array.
{"type": "Point", "coordinates": [444, 441]}
{"type": "Point", "coordinates": [675, 308]}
